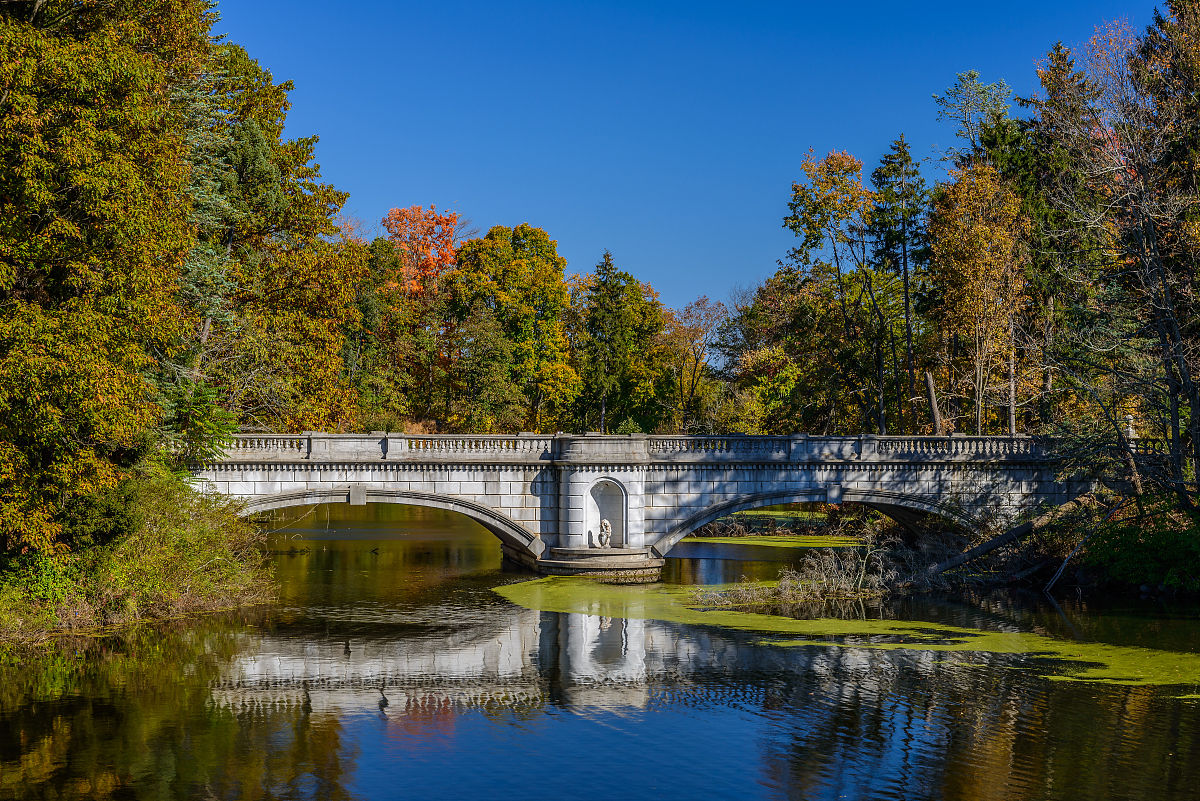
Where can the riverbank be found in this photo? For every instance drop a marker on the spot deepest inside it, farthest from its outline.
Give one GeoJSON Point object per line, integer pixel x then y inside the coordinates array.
{"type": "Point", "coordinates": [1116, 547]}
{"type": "Point", "coordinates": [178, 552]}
{"type": "Point", "coordinates": [771, 521]}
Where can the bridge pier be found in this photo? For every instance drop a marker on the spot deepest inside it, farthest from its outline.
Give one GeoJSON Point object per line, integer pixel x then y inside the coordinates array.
{"type": "Point", "coordinates": [549, 498]}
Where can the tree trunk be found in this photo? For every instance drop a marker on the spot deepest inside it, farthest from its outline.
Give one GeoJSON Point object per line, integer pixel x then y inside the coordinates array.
{"type": "Point", "coordinates": [1046, 406]}
{"type": "Point", "coordinates": [935, 414]}
{"type": "Point", "coordinates": [1012, 392]}
{"type": "Point", "coordinates": [908, 333]}
{"type": "Point", "coordinates": [980, 384]}
{"type": "Point", "coordinates": [897, 382]}
{"type": "Point", "coordinates": [1014, 533]}
{"type": "Point", "coordinates": [882, 424]}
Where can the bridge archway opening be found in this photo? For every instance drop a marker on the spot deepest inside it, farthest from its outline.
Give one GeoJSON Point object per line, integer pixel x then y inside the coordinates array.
{"type": "Point", "coordinates": [904, 509]}
{"type": "Point", "coordinates": [606, 500]}
{"type": "Point", "coordinates": [516, 542]}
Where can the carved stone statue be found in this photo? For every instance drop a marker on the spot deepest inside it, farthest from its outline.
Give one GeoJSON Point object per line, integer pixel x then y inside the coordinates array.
{"type": "Point", "coordinates": [605, 538]}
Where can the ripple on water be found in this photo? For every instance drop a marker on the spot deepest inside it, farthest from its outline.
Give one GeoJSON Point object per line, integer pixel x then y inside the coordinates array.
{"type": "Point", "coordinates": [391, 668]}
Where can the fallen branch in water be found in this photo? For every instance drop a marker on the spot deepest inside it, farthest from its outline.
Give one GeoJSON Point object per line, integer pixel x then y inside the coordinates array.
{"type": "Point", "coordinates": [1015, 533]}
{"type": "Point", "coordinates": [1058, 573]}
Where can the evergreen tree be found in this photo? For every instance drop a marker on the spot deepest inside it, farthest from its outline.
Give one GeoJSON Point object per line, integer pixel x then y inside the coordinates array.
{"type": "Point", "coordinates": [615, 344]}
{"type": "Point", "coordinates": [898, 229]}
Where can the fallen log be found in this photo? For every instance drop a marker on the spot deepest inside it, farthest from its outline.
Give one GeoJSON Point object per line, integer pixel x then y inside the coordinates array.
{"type": "Point", "coordinates": [1013, 534]}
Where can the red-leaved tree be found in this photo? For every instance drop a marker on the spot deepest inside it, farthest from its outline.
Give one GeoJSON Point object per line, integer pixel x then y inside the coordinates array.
{"type": "Point", "coordinates": [427, 241]}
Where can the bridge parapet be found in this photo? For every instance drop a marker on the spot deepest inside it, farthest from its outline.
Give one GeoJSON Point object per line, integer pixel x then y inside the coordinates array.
{"type": "Point", "coordinates": [520, 448]}
{"type": "Point", "coordinates": [378, 447]}
{"type": "Point", "coordinates": [866, 448]}
{"type": "Point", "coordinates": [638, 449]}
{"type": "Point", "coordinates": [957, 448]}
{"type": "Point", "coordinates": [734, 448]}
{"type": "Point", "coordinates": [268, 447]}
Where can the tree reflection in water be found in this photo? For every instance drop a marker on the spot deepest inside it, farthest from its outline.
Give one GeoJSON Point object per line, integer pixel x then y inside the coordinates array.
{"type": "Point", "coordinates": [401, 673]}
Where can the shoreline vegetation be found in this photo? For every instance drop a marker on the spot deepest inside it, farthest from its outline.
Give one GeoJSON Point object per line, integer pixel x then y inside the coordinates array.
{"type": "Point", "coordinates": [176, 552]}
{"type": "Point", "coordinates": [1088, 542]}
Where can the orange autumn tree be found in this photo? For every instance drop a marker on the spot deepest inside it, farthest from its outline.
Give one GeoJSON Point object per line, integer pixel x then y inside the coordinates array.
{"type": "Point", "coordinates": [979, 242]}
{"type": "Point", "coordinates": [426, 241]}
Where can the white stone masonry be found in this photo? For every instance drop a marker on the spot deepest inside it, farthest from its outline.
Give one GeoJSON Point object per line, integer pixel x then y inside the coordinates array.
{"type": "Point", "coordinates": [535, 492]}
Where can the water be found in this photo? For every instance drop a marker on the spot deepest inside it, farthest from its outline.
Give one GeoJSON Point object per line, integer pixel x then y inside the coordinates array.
{"type": "Point", "coordinates": [390, 668]}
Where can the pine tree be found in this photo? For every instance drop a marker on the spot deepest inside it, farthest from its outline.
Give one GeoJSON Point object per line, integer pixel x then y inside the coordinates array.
{"type": "Point", "coordinates": [898, 230]}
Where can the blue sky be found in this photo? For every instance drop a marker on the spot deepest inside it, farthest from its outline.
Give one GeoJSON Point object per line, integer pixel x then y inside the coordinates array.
{"type": "Point", "coordinates": [667, 132]}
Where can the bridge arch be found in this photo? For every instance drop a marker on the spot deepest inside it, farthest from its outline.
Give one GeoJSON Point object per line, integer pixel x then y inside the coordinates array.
{"type": "Point", "coordinates": [900, 507]}
{"type": "Point", "coordinates": [509, 532]}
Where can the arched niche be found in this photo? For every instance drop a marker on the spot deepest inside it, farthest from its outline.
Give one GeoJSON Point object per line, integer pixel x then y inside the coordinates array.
{"type": "Point", "coordinates": [606, 500]}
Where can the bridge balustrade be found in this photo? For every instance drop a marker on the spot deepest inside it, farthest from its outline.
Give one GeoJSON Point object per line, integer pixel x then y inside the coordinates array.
{"type": "Point", "coordinates": [735, 448]}
{"type": "Point", "coordinates": [539, 492]}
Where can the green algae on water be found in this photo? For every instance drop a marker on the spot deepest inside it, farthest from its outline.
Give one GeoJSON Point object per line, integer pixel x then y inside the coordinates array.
{"type": "Point", "coordinates": [783, 541]}
{"type": "Point", "coordinates": [1063, 660]}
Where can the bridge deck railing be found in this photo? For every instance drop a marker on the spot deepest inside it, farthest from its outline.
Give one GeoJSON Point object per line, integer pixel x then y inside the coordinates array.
{"type": "Point", "coordinates": [528, 448]}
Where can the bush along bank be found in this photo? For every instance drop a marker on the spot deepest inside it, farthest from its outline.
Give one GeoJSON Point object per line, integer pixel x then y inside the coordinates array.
{"type": "Point", "coordinates": [1109, 544]}
{"type": "Point", "coordinates": [153, 548]}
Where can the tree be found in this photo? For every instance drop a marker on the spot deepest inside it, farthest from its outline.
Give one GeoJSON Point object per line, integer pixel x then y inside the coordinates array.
{"type": "Point", "coordinates": [832, 213]}
{"type": "Point", "coordinates": [970, 103]}
{"type": "Point", "coordinates": [977, 233]}
{"type": "Point", "coordinates": [614, 338]}
{"type": "Point", "coordinates": [692, 333]}
{"type": "Point", "coordinates": [517, 274]}
{"type": "Point", "coordinates": [427, 242]}
{"type": "Point", "coordinates": [1129, 124]}
{"type": "Point", "coordinates": [94, 229]}
{"type": "Point", "coordinates": [898, 230]}
{"type": "Point", "coordinates": [271, 333]}
{"type": "Point", "coordinates": [1062, 265]}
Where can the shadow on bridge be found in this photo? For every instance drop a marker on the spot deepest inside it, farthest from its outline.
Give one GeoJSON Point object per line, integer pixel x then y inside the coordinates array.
{"type": "Point", "coordinates": [905, 509]}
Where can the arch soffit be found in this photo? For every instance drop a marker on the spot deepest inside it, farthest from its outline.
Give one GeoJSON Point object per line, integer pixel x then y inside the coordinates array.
{"type": "Point", "coordinates": [507, 530]}
{"type": "Point", "coordinates": [882, 501]}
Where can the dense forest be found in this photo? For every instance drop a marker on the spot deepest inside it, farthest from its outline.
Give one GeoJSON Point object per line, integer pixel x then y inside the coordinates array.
{"type": "Point", "coordinates": [174, 270]}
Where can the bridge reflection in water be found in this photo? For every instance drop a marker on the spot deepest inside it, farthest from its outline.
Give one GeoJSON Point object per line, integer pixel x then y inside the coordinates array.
{"type": "Point", "coordinates": [392, 669]}
{"type": "Point", "coordinates": [585, 659]}
{"type": "Point", "coordinates": [535, 659]}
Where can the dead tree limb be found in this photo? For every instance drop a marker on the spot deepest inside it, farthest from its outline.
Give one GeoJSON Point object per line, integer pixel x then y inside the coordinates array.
{"type": "Point", "coordinates": [1013, 534]}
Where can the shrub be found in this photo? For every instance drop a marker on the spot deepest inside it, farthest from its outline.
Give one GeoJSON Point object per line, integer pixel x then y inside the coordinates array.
{"type": "Point", "coordinates": [177, 551]}
{"type": "Point", "coordinates": [1161, 547]}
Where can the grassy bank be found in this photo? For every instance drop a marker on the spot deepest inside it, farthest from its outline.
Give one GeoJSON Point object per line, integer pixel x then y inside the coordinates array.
{"type": "Point", "coordinates": [175, 552]}
{"type": "Point", "coordinates": [769, 521]}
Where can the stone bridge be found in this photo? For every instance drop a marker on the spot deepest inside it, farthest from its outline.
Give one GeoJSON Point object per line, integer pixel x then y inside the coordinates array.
{"type": "Point", "coordinates": [544, 497]}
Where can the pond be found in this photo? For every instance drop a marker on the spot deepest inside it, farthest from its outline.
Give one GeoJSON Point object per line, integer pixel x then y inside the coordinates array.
{"type": "Point", "coordinates": [403, 660]}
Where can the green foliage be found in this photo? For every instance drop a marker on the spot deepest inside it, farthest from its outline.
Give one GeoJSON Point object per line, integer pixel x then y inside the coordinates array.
{"type": "Point", "coordinates": [970, 104]}
{"type": "Point", "coordinates": [157, 548]}
{"type": "Point", "coordinates": [516, 275]}
{"type": "Point", "coordinates": [196, 427]}
{"type": "Point", "coordinates": [616, 325]}
{"type": "Point", "coordinates": [93, 232]}
{"type": "Point", "coordinates": [272, 287]}
{"type": "Point", "coordinates": [628, 426]}
{"type": "Point", "coordinates": [1163, 549]}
